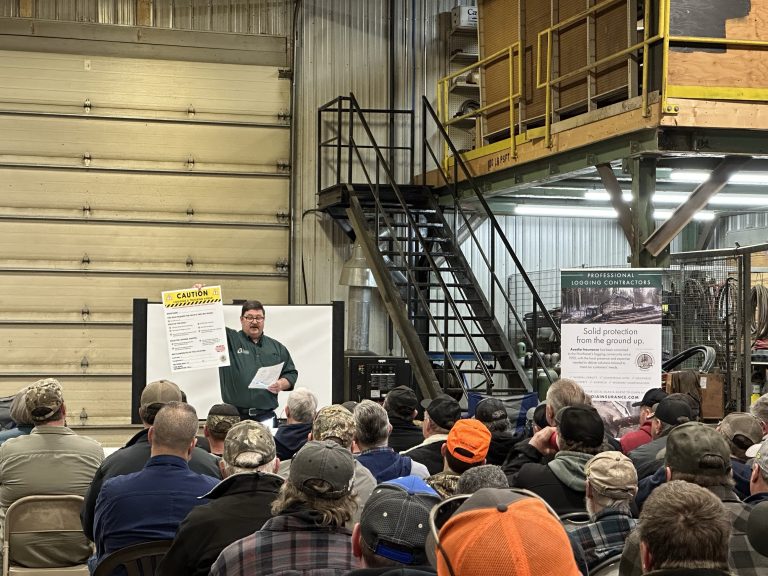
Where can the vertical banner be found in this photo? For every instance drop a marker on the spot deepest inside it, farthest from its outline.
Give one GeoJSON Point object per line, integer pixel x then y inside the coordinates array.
{"type": "Point", "coordinates": [194, 321]}
{"type": "Point", "coordinates": [611, 331]}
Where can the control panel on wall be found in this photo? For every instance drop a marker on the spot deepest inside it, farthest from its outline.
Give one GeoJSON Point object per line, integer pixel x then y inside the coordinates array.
{"type": "Point", "coordinates": [372, 377]}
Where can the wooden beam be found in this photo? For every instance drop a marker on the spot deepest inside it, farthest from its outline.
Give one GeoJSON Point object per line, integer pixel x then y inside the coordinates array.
{"type": "Point", "coordinates": [705, 233]}
{"type": "Point", "coordinates": [144, 12]}
{"type": "Point", "coordinates": [643, 188]}
{"type": "Point", "coordinates": [27, 8]}
{"type": "Point", "coordinates": [699, 198]}
{"type": "Point", "coordinates": [613, 188]}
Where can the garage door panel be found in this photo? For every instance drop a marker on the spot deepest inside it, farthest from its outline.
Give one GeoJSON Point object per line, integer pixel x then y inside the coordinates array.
{"type": "Point", "coordinates": [135, 86]}
{"type": "Point", "coordinates": [67, 243]}
{"type": "Point", "coordinates": [63, 297]}
{"type": "Point", "coordinates": [170, 195]}
{"type": "Point", "coordinates": [106, 400]}
{"type": "Point", "coordinates": [58, 139]}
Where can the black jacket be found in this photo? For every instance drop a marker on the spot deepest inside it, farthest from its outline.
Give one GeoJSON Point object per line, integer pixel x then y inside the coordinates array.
{"type": "Point", "coordinates": [239, 506]}
{"type": "Point", "coordinates": [428, 454]}
{"type": "Point", "coordinates": [405, 434]}
{"type": "Point", "coordinates": [290, 438]}
{"type": "Point", "coordinates": [131, 458]}
{"type": "Point", "coordinates": [502, 443]}
{"type": "Point", "coordinates": [393, 571]}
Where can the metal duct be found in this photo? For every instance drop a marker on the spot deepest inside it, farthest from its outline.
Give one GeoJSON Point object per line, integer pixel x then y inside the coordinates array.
{"type": "Point", "coordinates": [358, 276]}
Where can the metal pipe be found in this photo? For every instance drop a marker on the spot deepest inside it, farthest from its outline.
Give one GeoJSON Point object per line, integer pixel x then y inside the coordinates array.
{"type": "Point", "coordinates": [736, 251]}
{"type": "Point", "coordinates": [142, 221]}
{"type": "Point", "coordinates": [185, 172]}
{"type": "Point", "coordinates": [126, 271]}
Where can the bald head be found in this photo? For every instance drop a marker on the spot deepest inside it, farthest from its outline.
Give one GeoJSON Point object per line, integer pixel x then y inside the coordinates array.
{"type": "Point", "coordinates": [174, 430]}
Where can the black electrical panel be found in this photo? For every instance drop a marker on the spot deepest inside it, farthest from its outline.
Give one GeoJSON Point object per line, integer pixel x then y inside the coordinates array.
{"type": "Point", "coordinates": [371, 377]}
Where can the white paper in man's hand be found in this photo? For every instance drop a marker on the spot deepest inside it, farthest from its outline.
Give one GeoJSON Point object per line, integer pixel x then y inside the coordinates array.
{"type": "Point", "coordinates": [266, 375]}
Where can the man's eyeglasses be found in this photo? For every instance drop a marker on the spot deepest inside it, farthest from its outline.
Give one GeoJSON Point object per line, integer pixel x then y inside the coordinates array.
{"type": "Point", "coordinates": [253, 318]}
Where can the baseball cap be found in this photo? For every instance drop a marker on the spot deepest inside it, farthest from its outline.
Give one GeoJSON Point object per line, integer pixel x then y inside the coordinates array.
{"type": "Point", "coordinates": [468, 441]}
{"type": "Point", "coordinates": [249, 444]}
{"type": "Point", "coordinates": [743, 431]}
{"type": "Point", "coordinates": [612, 474]}
{"type": "Point", "coordinates": [580, 424]}
{"type": "Point", "coordinates": [221, 417]}
{"type": "Point", "coordinates": [760, 453]}
{"type": "Point", "coordinates": [443, 410]}
{"type": "Point", "coordinates": [490, 410]}
{"type": "Point", "coordinates": [394, 522]}
{"type": "Point", "coordinates": [43, 399]}
{"type": "Point", "coordinates": [651, 397]}
{"type": "Point", "coordinates": [501, 532]}
{"type": "Point", "coordinates": [689, 444]}
{"type": "Point", "coordinates": [401, 401]}
{"type": "Point", "coordinates": [334, 422]}
{"type": "Point", "coordinates": [323, 470]}
{"type": "Point", "coordinates": [670, 410]}
{"type": "Point", "coordinates": [160, 392]}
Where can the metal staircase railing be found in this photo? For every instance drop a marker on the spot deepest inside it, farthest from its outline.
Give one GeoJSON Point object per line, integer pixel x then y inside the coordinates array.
{"type": "Point", "coordinates": [415, 254]}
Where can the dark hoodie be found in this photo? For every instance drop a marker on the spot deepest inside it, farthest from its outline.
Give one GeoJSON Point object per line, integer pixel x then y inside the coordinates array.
{"type": "Point", "coordinates": [385, 464]}
{"type": "Point", "coordinates": [289, 439]}
{"type": "Point", "coordinates": [502, 443]}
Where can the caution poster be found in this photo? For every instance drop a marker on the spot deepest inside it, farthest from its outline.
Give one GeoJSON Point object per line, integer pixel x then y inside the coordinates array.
{"type": "Point", "coordinates": [611, 331]}
{"type": "Point", "coordinates": [194, 321]}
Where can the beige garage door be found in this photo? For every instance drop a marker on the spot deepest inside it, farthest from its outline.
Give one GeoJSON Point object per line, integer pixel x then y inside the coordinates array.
{"type": "Point", "coordinates": [120, 178]}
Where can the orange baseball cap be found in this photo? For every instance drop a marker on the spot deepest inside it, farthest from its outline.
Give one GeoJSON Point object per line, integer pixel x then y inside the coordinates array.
{"type": "Point", "coordinates": [469, 441]}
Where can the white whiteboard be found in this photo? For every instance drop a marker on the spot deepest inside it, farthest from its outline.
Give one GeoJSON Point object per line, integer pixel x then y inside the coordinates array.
{"type": "Point", "coordinates": [307, 332]}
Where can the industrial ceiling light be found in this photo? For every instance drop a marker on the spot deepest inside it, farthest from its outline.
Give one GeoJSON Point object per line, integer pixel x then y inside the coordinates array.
{"type": "Point", "coordinates": [699, 176]}
{"type": "Point", "coordinates": [584, 212]}
{"type": "Point", "coordinates": [677, 198]}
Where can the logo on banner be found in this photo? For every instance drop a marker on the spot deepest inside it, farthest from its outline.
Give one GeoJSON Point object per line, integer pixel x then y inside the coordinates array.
{"type": "Point", "coordinates": [644, 361]}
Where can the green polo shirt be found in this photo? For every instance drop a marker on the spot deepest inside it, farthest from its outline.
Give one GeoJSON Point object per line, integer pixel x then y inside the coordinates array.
{"type": "Point", "coordinates": [245, 358]}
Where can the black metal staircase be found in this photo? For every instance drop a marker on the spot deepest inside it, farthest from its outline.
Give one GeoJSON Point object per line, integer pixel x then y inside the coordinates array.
{"type": "Point", "coordinates": [444, 313]}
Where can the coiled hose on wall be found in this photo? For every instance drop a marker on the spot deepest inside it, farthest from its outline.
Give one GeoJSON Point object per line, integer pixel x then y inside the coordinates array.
{"type": "Point", "coordinates": [759, 312]}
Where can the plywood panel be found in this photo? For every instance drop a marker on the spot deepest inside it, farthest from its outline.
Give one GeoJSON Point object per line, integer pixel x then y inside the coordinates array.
{"type": "Point", "coordinates": [730, 67]}
{"type": "Point", "coordinates": [499, 27]}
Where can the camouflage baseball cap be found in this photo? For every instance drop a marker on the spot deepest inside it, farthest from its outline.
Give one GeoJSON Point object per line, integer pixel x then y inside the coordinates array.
{"type": "Point", "coordinates": [44, 398]}
{"type": "Point", "coordinates": [221, 417]}
{"type": "Point", "coordinates": [334, 423]}
{"type": "Point", "coordinates": [249, 444]}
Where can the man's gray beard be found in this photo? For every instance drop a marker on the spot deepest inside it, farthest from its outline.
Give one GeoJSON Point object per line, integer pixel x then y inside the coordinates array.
{"type": "Point", "coordinates": [590, 508]}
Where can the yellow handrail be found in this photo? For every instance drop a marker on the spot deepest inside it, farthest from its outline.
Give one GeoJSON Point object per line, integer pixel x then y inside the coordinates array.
{"type": "Point", "coordinates": [444, 86]}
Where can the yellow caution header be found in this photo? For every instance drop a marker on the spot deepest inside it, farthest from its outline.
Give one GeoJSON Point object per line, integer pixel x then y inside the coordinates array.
{"type": "Point", "coordinates": [192, 297]}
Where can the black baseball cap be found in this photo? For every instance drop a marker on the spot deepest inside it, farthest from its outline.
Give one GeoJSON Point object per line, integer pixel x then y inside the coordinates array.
{"type": "Point", "coordinates": [443, 410]}
{"type": "Point", "coordinates": [402, 401]}
{"type": "Point", "coordinates": [673, 411]}
{"type": "Point", "coordinates": [651, 397]}
{"type": "Point", "coordinates": [581, 424]}
{"type": "Point", "coordinates": [490, 410]}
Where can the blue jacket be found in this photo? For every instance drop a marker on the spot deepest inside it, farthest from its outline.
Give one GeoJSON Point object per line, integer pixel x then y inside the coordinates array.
{"type": "Point", "coordinates": [147, 505]}
{"type": "Point", "coordinates": [385, 464]}
{"type": "Point", "coordinates": [290, 438]}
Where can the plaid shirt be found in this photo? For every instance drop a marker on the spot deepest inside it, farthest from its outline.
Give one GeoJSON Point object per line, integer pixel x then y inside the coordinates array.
{"type": "Point", "coordinates": [742, 558]}
{"type": "Point", "coordinates": [604, 537]}
{"type": "Point", "coordinates": [291, 543]}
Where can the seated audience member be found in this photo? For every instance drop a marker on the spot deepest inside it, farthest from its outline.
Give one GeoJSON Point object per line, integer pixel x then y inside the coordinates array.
{"type": "Point", "coordinates": [134, 455]}
{"type": "Point", "coordinates": [699, 454]}
{"type": "Point", "coordinates": [668, 413]}
{"type": "Point", "coordinates": [440, 414]}
{"type": "Point", "coordinates": [371, 434]}
{"type": "Point", "coordinates": [306, 536]}
{"type": "Point", "coordinates": [221, 417]}
{"type": "Point", "coordinates": [465, 448]}
{"type": "Point", "coordinates": [150, 504]}
{"type": "Point", "coordinates": [493, 414]}
{"type": "Point", "coordinates": [300, 413]}
{"type": "Point", "coordinates": [485, 476]}
{"type": "Point", "coordinates": [562, 393]}
{"type": "Point", "coordinates": [561, 482]}
{"type": "Point", "coordinates": [393, 527]}
{"type": "Point", "coordinates": [238, 506]}
{"type": "Point", "coordinates": [611, 485]}
{"type": "Point", "coordinates": [20, 416]}
{"type": "Point", "coordinates": [642, 435]}
{"type": "Point", "coordinates": [336, 424]}
{"type": "Point", "coordinates": [401, 405]}
{"type": "Point", "coordinates": [684, 530]}
{"type": "Point", "coordinates": [758, 479]}
{"type": "Point", "coordinates": [350, 405]}
{"type": "Point", "coordinates": [502, 533]}
{"type": "Point", "coordinates": [759, 410]}
{"type": "Point", "coordinates": [742, 431]}
{"type": "Point", "coordinates": [536, 419]}
{"type": "Point", "coordinates": [51, 459]}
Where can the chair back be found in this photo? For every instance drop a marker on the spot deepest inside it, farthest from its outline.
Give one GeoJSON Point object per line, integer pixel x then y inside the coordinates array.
{"type": "Point", "coordinates": [574, 518]}
{"type": "Point", "coordinates": [608, 567]}
{"type": "Point", "coordinates": [137, 560]}
{"type": "Point", "coordinates": [42, 534]}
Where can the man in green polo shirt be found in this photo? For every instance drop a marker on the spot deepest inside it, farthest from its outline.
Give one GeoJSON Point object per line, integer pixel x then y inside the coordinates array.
{"type": "Point", "coordinates": [249, 350]}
